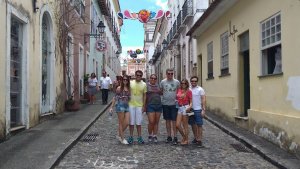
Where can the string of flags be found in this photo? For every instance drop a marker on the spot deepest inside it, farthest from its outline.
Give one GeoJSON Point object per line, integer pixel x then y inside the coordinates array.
{"type": "Point", "coordinates": [144, 15]}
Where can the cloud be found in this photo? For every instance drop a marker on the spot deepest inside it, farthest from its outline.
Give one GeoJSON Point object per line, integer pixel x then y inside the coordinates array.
{"type": "Point", "coordinates": [162, 3]}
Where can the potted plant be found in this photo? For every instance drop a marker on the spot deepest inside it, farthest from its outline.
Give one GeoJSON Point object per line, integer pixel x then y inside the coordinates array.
{"type": "Point", "coordinates": [70, 104]}
{"type": "Point", "coordinates": [86, 85]}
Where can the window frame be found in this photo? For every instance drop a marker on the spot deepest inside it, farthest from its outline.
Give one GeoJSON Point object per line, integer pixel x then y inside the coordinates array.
{"type": "Point", "coordinates": [210, 61]}
{"type": "Point", "coordinates": [224, 53]}
{"type": "Point", "coordinates": [270, 40]}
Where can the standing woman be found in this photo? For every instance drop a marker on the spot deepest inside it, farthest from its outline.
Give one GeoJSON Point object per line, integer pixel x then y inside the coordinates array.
{"type": "Point", "coordinates": [153, 107]}
{"type": "Point", "coordinates": [184, 98]}
{"type": "Point", "coordinates": [93, 87]}
{"type": "Point", "coordinates": [120, 101]}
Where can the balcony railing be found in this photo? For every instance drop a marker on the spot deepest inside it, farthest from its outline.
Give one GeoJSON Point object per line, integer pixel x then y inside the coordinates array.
{"type": "Point", "coordinates": [103, 5]}
{"type": "Point", "coordinates": [175, 33]}
{"type": "Point", "coordinates": [187, 10]}
{"type": "Point", "coordinates": [180, 24]}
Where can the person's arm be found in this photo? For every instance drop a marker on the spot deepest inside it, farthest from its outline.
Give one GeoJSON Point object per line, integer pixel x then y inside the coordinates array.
{"type": "Point", "coordinates": [112, 104]}
{"type": "Point", "coordinates": [189, 95]}
{"type": "Point", "coordinates": [144, 98]}
{"type": "Point", "coordinates": [203, 105]}
{"type": "Point", "coordinates": [110, 84]}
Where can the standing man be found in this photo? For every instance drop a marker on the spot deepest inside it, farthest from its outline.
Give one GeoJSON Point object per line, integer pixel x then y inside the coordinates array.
{"type": "Point", "coordinates": [138, 90]}
{"type": "Point", "coordinates": [105, 85]}
{"type": "Point", "coordinates": [199, 104]}
{"type": "Point", "coordinates": [169, 88]}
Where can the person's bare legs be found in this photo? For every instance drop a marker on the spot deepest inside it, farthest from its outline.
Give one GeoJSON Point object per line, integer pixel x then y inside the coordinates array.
{"type": "Point", "coordinates": [179, 127]}
{"type": "Point", "coordinates": [151, 119]}
{"type": "Point", "coordinates": [156, 122]}
{"type": "Point", "coordinates": [185, 129]}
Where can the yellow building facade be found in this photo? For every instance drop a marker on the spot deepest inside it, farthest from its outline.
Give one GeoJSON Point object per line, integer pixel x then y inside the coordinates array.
{"type": "Point", "coordinates": [248, 52]}
{"type": "Point", "coordinates": [30, 66]}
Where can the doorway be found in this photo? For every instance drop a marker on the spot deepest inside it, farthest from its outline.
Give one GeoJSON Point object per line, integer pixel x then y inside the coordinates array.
{"type": "Point", "coordinates": [244, 75]}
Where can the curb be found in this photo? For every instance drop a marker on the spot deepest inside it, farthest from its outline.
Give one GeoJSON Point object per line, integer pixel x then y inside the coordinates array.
{"type": "Point", "coordinates": [69, 145]}
{"type": "Point", "coordinates": [246, 142]}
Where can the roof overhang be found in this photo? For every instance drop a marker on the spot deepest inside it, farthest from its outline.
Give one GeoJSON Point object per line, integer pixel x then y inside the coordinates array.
{"type": "Point", "coordinates": [210, 16]}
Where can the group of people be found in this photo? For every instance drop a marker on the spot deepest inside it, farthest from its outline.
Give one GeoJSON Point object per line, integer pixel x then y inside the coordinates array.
{"type": "Point", "coordinates": [105, 84]}
{"type": "Point", "coordinates": [180, 104]}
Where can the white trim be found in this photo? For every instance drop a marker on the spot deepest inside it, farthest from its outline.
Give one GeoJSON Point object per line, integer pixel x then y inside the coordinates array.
{"type": "Point", "coordinates": [11, 11]}
{"type": "Point", "coordinates": [80, 67]}
{"type": "Point", "coordinates": [52, 101]}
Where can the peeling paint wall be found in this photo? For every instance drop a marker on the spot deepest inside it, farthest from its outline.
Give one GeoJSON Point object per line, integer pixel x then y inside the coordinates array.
{"type": "Point", "coordinates": [293, 94]}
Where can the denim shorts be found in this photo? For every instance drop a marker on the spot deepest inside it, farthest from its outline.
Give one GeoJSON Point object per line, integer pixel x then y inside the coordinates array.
{"type": "Point", "coordinates": [196, 118]}
{"type": "Point", "coordinates": [154, 108]}
{"type": "Point", "coordinates": [121, 107]}
{"type": "Point", "coordinates": [170, 112]}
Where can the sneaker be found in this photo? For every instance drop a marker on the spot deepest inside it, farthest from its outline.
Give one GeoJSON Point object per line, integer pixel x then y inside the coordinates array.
{"type": "Point", "coordinates": [130, 140]}
{"type": "Point", "coordinates": [140, 140]}
{"type": "Point", "coordinates": [175, 141]}
{"type": "Point", "coordinates": [150, 138]}
{"type": "Point", "coordinates": [169, 139]}
{"type": "Point", "coordinates": [194, 141]}
{"type": "Point", "coordinates": [124, 141]}
{"type": "Point", "coordinates": [199, 144]}
{"type": "Point", "coordinates": [155, 139]}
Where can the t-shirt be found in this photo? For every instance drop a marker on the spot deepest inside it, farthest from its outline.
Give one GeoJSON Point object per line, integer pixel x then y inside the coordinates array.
{"type": "Point", "coordinates": [92, 82]}
{"type": "Point", "coordinates": [197, 93]}
{"type": "Point", "coordinates": [183, 97]}
{"type": "Point", "coordinates": [153, 94]}
{"type": "Point", "coordinates": [105, 82]}
{"type": "Point", "coordinates": [122, 97]}
{"type": "Point", "coordinates": [169, 88]}
{"type": "Point", "coordinates": [137, 89]}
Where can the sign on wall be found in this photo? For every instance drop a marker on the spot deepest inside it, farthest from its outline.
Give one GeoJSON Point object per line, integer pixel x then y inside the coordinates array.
{"type": "Point", "coordinates": [100, 45]}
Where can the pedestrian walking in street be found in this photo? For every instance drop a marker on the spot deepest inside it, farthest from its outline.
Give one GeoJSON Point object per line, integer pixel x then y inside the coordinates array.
{"type": "Point", "coordinates": [106, 85]}
{"type": "Point", "coordinates": [184, 98]}
{"type": "Point", "coordinates": [169, 88]}
{"type": "Point", "coordinates": [120, 102]}
{"type": "Point", "coordinates": [137, 102]}
{"type": "Point", "coordinates": [199, 105]}
{"type": "Point", "coordinates": [92, 88]}
{"type": "Point", "coordinates": [153, 107]}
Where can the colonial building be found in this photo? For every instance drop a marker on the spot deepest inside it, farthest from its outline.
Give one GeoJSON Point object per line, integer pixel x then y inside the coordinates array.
{"type": "Point", "coordinates": [30, 67]}
{"type": "Point", "coordinates": [248, 57]}
{"type": "Point", "coordinates": [106, 57]}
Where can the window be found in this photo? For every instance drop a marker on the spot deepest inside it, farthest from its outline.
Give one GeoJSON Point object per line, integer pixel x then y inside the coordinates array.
{"type": "Point", "coordinates": [271, 45]}
{"type": "Point", "coordinates": [210, 71]}
{"type": "Point", "coordinates": [79, 7]}
{"type": "Point", "coordinates": [224, 54]}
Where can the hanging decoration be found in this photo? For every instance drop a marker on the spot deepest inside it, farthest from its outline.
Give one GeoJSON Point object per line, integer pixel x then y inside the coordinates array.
{"type": "Point", "coordinates": [134, 53]}
{"type": "Point", "coordinates": [144, 15]}
{"type": "Point", "coordinates": [134, 60]}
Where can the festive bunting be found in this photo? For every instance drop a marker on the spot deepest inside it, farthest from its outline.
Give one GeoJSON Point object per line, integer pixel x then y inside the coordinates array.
{"type": "Point", "coordinates": [144, 15]}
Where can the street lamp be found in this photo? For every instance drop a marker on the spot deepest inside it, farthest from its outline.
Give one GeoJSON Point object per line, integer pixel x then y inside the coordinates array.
{"type": "Point", "coordinates": [165, 44]}
{"type": "Point", "coordinates": [101, 29]}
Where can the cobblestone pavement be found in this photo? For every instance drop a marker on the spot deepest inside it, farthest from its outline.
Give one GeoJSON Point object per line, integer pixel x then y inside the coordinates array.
{"type": "Point", "coordinates": [107, 152]}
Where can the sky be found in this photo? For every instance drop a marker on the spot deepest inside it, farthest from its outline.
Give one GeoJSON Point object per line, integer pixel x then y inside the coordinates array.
{"type": "Point", "coordinates": [132, 32]}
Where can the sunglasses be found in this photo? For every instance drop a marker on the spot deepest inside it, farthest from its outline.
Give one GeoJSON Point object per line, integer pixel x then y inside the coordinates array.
{"type": "Point", "coordinates": [170, 73]}
{"type": "Point", "coordinates": [153, 78]}
{"type": "Point", "coordinates": [183, 83]}
{"type": "Point", "coordinates": [138, 75]}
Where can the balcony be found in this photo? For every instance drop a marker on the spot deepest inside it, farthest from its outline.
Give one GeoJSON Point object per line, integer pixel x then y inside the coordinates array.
{"type": "Point", "coordinates": [175, 33]}
{"type": "Point", "coordinates": [103, 5]}
{"type": "Point", "coordinates": [180, 24]}
{"type": "Point", "coordinates": [187, 11]}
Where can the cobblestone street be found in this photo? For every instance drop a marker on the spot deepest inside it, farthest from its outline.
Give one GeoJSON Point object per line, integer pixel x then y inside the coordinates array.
{"type": "Point", "coordinates": [106, 151]}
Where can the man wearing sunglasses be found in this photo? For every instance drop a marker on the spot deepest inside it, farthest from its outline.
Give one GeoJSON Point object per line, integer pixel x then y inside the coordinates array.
{"type": "Point", "coordinates": [199, 104]}
{"type": "Point", "coordinates": [138, 90]}
{"type": "Point", "coordinates": [169, 88]}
